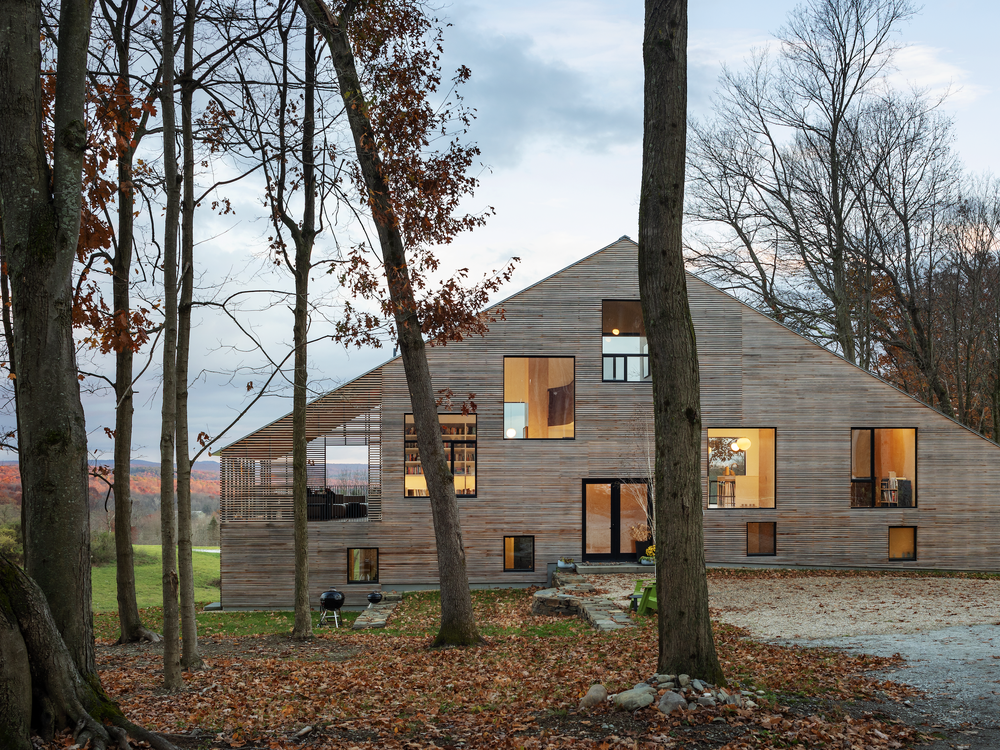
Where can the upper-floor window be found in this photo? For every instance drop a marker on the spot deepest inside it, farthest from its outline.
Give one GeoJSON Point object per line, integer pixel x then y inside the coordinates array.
{"type": "Point", "coordinates": [458, 431]}
{"type": "Point", "coordinates": [539, 397]}
{"type": "Point", "coordinates": [624, 348]}
{"type": "Point", "coordinates": [883, 468]}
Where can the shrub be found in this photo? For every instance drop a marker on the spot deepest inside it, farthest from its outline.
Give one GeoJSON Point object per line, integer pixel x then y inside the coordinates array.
{"type": "Point", "coordinates": [102, 548]}
{"type": "Point", "coordinates": [10, 541]}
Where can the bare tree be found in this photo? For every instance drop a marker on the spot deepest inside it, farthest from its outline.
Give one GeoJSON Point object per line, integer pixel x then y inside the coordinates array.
{"type": "Point", "coordinates": [685, 630]}
{"type": "Point", "coordinates": [771, 173]}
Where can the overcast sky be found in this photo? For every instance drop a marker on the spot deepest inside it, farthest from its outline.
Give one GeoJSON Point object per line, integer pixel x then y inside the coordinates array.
{"type": "Point", "coordinates": [557, 86]}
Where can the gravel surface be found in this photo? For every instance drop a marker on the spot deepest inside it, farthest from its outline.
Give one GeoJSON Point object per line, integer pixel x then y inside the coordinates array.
{"type": "Point", "coordinates": [826, 607]}
{"type": "Point", "coordinates": [946, 629]}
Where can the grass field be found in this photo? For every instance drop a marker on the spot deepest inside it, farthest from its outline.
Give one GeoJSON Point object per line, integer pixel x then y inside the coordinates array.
{"type": "Point", "coordinates": [148, 579]}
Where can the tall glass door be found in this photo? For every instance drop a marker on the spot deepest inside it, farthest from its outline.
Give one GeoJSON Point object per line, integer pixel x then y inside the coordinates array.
{"type": "Point", "coordinates": [610, 508]}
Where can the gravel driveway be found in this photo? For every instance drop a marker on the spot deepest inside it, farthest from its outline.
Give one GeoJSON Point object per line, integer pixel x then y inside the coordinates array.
{"type": "Point", "coordinates": [946, 629]}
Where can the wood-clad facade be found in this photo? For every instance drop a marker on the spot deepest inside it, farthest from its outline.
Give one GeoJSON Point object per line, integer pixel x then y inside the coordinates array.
{"type": "Point", "coordinates": [755, 374]}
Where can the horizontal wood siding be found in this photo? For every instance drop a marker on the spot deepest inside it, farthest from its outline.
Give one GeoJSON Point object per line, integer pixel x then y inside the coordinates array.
{"type": "Point", "coordinates": [755, 373]}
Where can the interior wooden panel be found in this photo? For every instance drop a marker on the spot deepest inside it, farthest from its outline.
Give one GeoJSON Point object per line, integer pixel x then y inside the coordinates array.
{"type": "Point", "coordinates": [754, 373]}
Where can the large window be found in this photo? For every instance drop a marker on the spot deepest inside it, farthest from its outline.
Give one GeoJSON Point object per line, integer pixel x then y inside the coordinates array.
{"type": "Point", "coordinates": [741, 467]}
{"type": "Point", "coordinates": [362, 565]}
{"type": "Point", "coordinates": [625, 349]}
{"type": "Point", "coordinates": [539, 398]}
{"type": "Point", "coordinates": [458, 431]}
{"type": "Point", "coordinates": [518, 553]}
{"type": "Point", "coordinates": [883, 468]}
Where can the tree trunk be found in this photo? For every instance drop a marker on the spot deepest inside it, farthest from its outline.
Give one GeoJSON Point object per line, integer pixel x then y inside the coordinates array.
{"type": "Point", "coordinates": [304, 240]}
{"type": "Point", "coordinates": [41, 225]}
{"type": "Point", "coordinates": [458, 624]}
{"type": "Point", "coordinates": [172, 679]}
{"type": "Point", "coordinates": [130, 622]}
{"type": "Point", "coordinates": [190, 658]}
{"type": "Point", "coordinates": [52, 688]}
{"type": "Point", "coordinates": [685, 630]}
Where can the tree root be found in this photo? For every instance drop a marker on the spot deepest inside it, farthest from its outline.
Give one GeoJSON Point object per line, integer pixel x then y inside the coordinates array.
{"type": "Point", "coordinates": [142, 635]}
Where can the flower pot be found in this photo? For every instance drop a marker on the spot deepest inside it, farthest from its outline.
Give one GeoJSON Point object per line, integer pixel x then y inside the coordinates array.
{"type": "Point", "coordinates": [640, 547]}
{"type": "Point", "coordinates": [646, 561]}
{"type": "Point", "coordinates": [566, 565]}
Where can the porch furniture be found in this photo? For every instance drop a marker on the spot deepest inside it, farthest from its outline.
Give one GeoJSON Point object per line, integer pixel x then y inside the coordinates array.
{"type": "Point", "coordinates": [648, 601]}
{"type": "Point", "coordinates": [636, 595]}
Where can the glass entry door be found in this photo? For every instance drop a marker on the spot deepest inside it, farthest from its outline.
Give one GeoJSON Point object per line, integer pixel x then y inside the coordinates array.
{"type": "Point", "coordinates": [610, 508]}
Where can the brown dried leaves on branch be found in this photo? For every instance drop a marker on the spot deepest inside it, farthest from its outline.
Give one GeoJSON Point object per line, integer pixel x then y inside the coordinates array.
{"type": "Point", "coordinates": [417, 126]}
{"type": "Point", "coordinates": [388, 689]}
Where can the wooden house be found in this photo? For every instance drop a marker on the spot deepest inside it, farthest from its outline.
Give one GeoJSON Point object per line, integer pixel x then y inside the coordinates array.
{"type": "Point", "coordinates": [808, 460]}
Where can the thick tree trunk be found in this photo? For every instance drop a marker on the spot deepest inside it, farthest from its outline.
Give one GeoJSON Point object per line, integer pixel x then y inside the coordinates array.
{"type": "Point", "coordinates": [458, 624]}
{"type": "Point", "coordinates": [52, 688]}
{"type": "Point", "coordinates": [304, 240]}
{"type": "Point", "coordinates": [685, 631]}
{"type": "Point", "coordinates": [41, 224]}
{"type": "Point", "coordinates": [190, 658]}
{"type": "Point", "coordinates": [172, 679]}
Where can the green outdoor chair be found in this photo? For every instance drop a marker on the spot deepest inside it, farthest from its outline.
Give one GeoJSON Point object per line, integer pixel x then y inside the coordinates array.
{"type": "Point", "coordinates": [648, 601]}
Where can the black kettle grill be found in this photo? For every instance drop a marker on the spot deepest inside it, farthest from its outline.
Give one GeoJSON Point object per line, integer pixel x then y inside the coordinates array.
{"type": "Point", "coordinates": [374, 598]}
{"type": "Point", "coordinates": [331, 601]}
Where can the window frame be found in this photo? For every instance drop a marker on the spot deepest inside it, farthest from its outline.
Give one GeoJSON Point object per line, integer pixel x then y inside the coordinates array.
{"type": "Point", "coordinates": [761, 554]}
{"type": "Point", "coordinates": [643, 358]}
{"type": "Point", "coordinates": [518, 536]}
{"type": "Point", "coordinates": [474, 442]}
{"type": "Point", "coordinates": [871, 480]}
{"type": "Point", "coordinates": [377, 565]}
{"type": "Point", "coordinates": [888, 543]}
{"type": "Point", "coordinates": [708, 480]}
{"type": "Point", "coordinates": [504, 402]}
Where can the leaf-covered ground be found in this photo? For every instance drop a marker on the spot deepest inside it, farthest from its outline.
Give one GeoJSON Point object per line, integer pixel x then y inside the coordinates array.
{"type": "Point", "coordinates": [388, 689]}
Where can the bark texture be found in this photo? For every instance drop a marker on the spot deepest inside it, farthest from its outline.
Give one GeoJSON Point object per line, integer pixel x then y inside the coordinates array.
{"type": "Point", "coordinates": [172, 679]}
{"type": "Point", "coordinates": [130, 622]}
{"type": "Point", "coordinates": [58, 695]}
{"type": "Point", "coordinates": [190, 657]}
{"type": "Point", "coordinates": [304, 237]}
{"type": "Point", "coordinates": [40, 213]}
{"type": "Point", "coordinates": [458, 625]}
{"type": "Point", "coordinates": [685, 630]}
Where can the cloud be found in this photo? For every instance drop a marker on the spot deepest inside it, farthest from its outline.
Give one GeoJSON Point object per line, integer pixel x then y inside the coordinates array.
{"type": "Point", "coordinates": [928, 68]}
{"type": "Point", "coordinates": [522, 98]}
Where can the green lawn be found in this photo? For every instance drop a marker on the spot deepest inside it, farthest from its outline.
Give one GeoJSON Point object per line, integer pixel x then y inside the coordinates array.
{"type": "Point", "coordinates": [148, 579]}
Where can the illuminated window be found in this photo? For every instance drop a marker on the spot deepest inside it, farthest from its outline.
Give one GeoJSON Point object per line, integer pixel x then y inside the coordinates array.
{"type": "Point", "coordinates": [902, 542]}
{"type": "Point", "coordinates": [539, 398]}
{"type": "Point", "coordinates": [458, 431]}
{"type": "Point", "coordinates": [883, 468]}
{"type": "Point", "coordinates": [741, 467]}
{"type": "Point", "coordinates": [362, 565]}
{"type": "Point", "coordinates": [518, 553]}
{"type": "Point", "coordinates": [624, 347]}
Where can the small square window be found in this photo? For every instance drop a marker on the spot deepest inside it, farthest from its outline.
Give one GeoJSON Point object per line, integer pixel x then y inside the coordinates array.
{"type": "Point", "coordinates": [362, 565]}
{"type": "Point", "coordinates": [760, 539]}
{"type": "Point", "coordinates": [902, 542]}
{"type": "Point", "coordinates": [518, 553]}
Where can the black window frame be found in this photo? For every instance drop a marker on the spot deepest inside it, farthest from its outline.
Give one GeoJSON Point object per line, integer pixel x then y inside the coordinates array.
{"type": "Point", "coordinates": [504, 544]}
{"type": "Point", "coordinates": [446, 439]}
{"type": "Point", "coordinates": [643, 358]}
{"type": "Point", "coordinates": [888, 543]}
{"type": "Point", "coordinates": [377, 565]}
{"type": "Point", "coordinates": [871, 479]}
{"type": "Point", "coordinates": [775, 537]}
{"type": "Point", "coordinates": [504, 375]}
{"type": "Point", "coordinates": [774, 469]}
